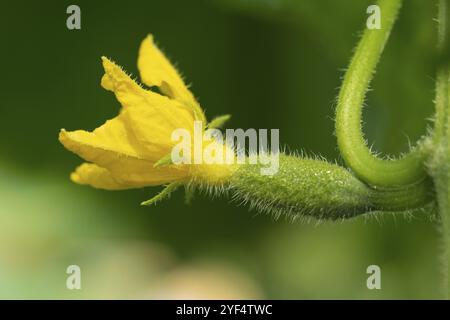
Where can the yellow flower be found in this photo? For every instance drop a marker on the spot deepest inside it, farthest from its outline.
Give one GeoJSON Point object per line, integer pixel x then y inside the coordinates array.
{"type": "Point", "coordinates": [126, 151]}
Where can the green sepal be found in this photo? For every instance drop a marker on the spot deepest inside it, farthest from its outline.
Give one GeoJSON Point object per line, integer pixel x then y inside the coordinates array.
{"type": "Point", "coordinates": [218, 122]}
{"type": "Point", "coordinates": [163, 194]}
{"type": "Point", "coordinates": [164, 161]}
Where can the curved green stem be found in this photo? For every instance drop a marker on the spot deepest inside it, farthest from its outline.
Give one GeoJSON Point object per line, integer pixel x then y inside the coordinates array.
{"type": "Point", "coordinates": [367, 166]}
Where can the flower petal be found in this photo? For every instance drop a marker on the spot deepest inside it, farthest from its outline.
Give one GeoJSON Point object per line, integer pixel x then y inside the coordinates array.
{"type": "Point", "coordinates": [156, 70]}
{"type": "Point", "coordinates": [153, 128]}
{"type": "Point", "coordinates": [127, 91]}
{"type": "Point", "coordinates": [101, 178]}
{"type": "Point", "coordinates": [114, 147]}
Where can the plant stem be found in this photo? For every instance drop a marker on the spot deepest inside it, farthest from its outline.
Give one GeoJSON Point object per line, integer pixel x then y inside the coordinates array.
{"type": "Point", "coordinates": [441, 126]}
{"type": "Point", "coordinates": [439, 169]}
{"type": "Point", "coordinates": [439, 162]}
{"type": "Point", "coordinates": [368, 167]}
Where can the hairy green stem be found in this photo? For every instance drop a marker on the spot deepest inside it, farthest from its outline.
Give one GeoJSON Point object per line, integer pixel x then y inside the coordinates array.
{"type": "Point", "coordinates": [439, 162]}
{"type": "Point", "coordinates": [352, 144]}
{"type": "Point", "coordinates": [440, 123]}
{"type": "Point", "coordinates": [318, 189]}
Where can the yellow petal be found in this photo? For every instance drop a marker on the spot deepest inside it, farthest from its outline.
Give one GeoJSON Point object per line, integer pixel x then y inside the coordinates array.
{"type": "Point", "coordinates": [153, 128]}
{"type": "Point", "coordinates": [114, 147]}
{"type": "Point", "coordinates": [127, 91]}
{"type": "Point", "coordinates": [98, 177]}
{"type": "Point", "coordinates": [156, 70]}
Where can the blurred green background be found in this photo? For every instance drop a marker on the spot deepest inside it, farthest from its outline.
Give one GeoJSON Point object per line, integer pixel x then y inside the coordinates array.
{"type": "Point", "coordinates": [271, 64]}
